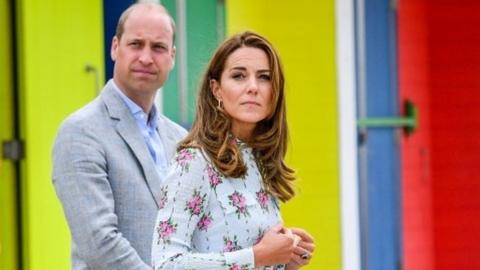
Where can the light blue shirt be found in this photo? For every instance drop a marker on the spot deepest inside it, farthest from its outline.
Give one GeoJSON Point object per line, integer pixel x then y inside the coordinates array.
{"type": "Point", "coordinates": [148, 125]}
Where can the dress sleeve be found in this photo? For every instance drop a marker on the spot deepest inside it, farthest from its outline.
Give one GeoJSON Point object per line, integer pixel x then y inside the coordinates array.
{"type": "Point", "coordinates": [186, 195]}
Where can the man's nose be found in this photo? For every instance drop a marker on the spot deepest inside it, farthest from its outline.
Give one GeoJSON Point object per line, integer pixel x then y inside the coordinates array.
{"type": "Point", "coordinates": [146, 56]}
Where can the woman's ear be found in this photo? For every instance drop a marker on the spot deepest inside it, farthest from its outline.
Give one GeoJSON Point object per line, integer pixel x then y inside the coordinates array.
{"type": "Point", "coordinates": [215, 88]}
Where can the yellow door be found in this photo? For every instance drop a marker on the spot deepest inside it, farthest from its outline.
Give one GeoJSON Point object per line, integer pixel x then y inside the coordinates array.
{"type": "Point", "coordinates": [8, 206]}
{"type": "Point", "coordinates": [60, 63]}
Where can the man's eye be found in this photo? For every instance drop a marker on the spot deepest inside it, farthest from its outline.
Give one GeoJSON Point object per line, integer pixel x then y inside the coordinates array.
{"type": "Point", "coordinates": [160, 48]}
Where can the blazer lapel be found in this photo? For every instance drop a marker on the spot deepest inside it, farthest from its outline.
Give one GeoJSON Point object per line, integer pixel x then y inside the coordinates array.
{"type": "Point", "coordinates": [129, 131]}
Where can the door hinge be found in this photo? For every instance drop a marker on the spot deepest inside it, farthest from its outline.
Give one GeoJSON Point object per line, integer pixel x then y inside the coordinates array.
{"type": "Point", "coordinates": [13, 150]}
{"type": "Point", "coordinates": [409, 122]}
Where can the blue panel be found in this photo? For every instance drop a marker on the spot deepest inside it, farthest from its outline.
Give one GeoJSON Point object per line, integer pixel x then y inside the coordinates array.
{"type": "Point", "coordinates": [382, 146]}
{"type": "Point", "coordinates": [112, 9]}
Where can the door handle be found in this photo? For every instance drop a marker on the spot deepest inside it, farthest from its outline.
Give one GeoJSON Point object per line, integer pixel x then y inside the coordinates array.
{"type": "Point", "coordinates": [89, 68]}
{"type": "Point", "coordinates": [409, 122]}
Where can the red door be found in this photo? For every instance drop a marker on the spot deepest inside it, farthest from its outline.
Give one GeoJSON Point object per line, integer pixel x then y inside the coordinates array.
{"type": "Point", "coordinates": [439, 57]}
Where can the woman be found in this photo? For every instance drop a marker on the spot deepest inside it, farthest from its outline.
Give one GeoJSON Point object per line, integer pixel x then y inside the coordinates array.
{"type": "Point", "coordinates": [219, 208]}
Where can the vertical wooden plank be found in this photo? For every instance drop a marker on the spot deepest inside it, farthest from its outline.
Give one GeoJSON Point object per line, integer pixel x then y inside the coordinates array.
{"type": "Point", "coordinates": [381, 216]}
{"type": "Point", "coordinates": [8, 224]}
{"type": "Point", "coordinates": [202, 37]}
{"type": "Point", "coordinates": [417, 206]}
{"type": "Point", "coordinates": [348, 133]}
{"type": "Point", "coordinates": [454, 65]}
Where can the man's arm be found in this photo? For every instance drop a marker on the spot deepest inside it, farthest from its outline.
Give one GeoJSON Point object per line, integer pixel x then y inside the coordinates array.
{"type": "Point", "coordinates": [81, 182]}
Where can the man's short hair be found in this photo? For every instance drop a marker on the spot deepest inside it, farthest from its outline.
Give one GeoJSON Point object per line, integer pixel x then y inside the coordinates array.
{"type": "Point", "coordinates": [124, 16]}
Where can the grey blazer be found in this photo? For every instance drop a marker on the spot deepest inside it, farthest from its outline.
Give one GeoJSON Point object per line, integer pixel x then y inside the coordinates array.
{"type": "Point", "coordinates": [107, 183]}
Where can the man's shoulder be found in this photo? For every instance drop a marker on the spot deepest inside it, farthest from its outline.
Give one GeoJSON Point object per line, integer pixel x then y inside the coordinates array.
{"type": "Point", "coordinates": [90, 115]}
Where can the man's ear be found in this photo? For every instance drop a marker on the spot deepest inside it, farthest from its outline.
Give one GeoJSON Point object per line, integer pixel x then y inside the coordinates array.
{"type": "Point", "coordinates": [174, 53]}
{"type": "Point", "coordinates": [114, 48]}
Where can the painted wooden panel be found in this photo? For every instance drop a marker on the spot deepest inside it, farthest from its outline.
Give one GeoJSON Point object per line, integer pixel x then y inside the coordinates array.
{"type": "Point", "coordinates": [304, 34]}
{"type": "Point", "coordinates": [8, 213]}
{"type": "Point", "coordinates": [202, 37]}
{"type": "Point", "coordinates": [112, 9]}
{"type": "Point", "coordinates": [57, 39]}
{"type": "Point", "coordinates": [417, 182]}
{"type": "Point", "coordinates": [380, 179]}
{"type": "Point", "coordinates": [454, 66]}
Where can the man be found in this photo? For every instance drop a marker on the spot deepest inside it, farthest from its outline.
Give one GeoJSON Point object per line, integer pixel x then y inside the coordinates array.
{"type": "Point", "coordinates": [109, 157]}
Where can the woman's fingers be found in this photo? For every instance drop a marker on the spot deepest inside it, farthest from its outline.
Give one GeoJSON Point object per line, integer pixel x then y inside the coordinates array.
{"type": "Point", "coordinates": [310, 247]}
{"type": "Point", "coordinates": [306, 237]}
{"type": "Point", "coordinates": [296, 239]}
{"type": "Point", "coordinates": [303, 253]}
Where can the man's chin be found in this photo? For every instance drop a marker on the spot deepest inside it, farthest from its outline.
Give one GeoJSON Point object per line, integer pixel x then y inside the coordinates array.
{"type": "Point", "coordinates": [146, 86]}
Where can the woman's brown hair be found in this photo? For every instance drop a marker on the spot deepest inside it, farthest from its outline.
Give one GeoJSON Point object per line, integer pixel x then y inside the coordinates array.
{"type": "Point", "coordinates": [211, 127]}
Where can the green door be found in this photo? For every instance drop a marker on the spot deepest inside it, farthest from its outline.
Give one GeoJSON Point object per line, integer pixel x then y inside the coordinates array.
{"type": "Point", "coordinates": [8, 206]}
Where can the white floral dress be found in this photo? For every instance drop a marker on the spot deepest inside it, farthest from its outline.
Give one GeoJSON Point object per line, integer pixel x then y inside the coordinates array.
{"type": "Point", "coordinates": [208, 221]}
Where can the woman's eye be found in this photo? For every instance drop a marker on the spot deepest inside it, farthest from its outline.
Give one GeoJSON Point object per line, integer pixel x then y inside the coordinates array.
{"type": "Point", "coordinates": [265, 77]}
{"type": "Point", "coordinates": [238, 76]}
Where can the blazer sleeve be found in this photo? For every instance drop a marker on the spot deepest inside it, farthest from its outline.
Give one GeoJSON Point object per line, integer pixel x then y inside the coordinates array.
{"type": "Point", "coordinates": [81, 182]}
{"type": "Point", "coordinates": [187, 192]}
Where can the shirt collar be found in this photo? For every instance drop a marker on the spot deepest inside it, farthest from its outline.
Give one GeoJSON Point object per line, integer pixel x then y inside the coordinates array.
{"type": "Point", "coordinates": [136, 110]}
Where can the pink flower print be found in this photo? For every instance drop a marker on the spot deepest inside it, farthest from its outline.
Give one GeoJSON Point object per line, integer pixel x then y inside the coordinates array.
{"type": "Point", "coordinates": [238, 200]}
{"type": "Point", "coordinates": [204, 222]}
{"type": "Point", "coordinates": [163, 197]}
{"type": "Point", "coordinates": [195, 204]}
{"type": "Point", "coordinates": [262, 198]}
{"type": "Point", "coordinates": [230, 245]}
{"type": "Point", "coordinates": [184, 157]}
{"type": "Point", "coordinates": [235, 266]}
{"type": "Point", "coordinates": [165, 229]}
{"type": "Point", "coordinates": [213, 177]}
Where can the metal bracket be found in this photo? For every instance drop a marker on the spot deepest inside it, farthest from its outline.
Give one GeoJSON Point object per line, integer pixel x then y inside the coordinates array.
{"type": "Point", "coordinates": [409, 122]}
{"type": "Point", "coordinates": [13, 150]}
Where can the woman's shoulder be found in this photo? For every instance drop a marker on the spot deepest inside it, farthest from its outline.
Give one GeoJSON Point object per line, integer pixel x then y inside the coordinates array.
{"type": "Point", "coordinates": [191, 156]}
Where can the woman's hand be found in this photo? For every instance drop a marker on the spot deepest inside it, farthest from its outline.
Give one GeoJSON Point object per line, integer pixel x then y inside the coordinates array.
{"type": "Point", "coordinates": [303, 250]}
{"type": "Point", "coordinates": [276, 247]}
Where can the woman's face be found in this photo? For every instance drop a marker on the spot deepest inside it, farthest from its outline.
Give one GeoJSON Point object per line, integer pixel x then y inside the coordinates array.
{"type": "Point", "coordinates": [245, 89]}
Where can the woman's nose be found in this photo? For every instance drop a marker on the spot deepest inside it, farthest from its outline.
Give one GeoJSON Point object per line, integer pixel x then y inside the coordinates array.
{"type": "Point", "coordinates": [252, 86]}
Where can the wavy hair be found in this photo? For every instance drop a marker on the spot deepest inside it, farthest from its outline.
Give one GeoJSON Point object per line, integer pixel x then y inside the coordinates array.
{"type": "Point", "coordinates": [211, 129]}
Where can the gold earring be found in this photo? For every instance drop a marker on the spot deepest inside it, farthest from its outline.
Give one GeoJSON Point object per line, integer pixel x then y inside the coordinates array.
{"type": "Point", "coordinates": [219, 105]}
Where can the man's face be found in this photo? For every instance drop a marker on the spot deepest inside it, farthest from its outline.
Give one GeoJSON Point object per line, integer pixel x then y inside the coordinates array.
{"type": "Point", "coordinates": [144, 54]}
